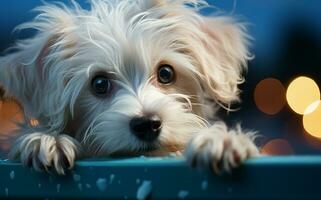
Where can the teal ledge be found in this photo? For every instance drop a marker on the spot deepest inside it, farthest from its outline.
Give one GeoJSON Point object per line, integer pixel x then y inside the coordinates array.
{"type": "Point", "coordinates": [288, 177]}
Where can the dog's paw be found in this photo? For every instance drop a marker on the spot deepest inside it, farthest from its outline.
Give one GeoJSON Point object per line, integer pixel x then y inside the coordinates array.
{"type": "Point", "coordinates": [220, 152]}
{"type": "Point", "coordinates": [46, 152]}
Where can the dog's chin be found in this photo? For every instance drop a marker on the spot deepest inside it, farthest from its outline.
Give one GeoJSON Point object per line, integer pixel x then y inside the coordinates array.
{"type": "Point", "coordinates": [147, 149]}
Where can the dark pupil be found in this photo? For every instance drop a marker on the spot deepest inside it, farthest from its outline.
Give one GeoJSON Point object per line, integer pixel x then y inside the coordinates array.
{"type": "Point", "coordinates": [101, 85]}
{"type": "Point", "coordinates": [165, 74]}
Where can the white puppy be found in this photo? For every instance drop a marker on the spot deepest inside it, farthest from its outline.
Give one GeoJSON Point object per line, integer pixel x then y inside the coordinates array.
{"type": "Point", "coordinates": [138, 77]}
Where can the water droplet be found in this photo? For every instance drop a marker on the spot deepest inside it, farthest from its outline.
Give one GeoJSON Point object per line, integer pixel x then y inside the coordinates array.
{"type": "Point", "coordinates": [76, 177]}
{"type": "Point", "coordinates": [144, 190]}
{"type": "Point", "coordinates": [204, 185]}
{"type": "Point", "coordinates": [111, 178]}
{"type": "Point", "coordinates": [12, 175]}
{"type": "Point", "coordinates": [80, 186]}
{"type": "Point", "coordinates": [58, 187]}
{"type": "Point", "coordinates": [101, 184]}
{"type": "Point", "coordinates": [6, 190]}
{"type": "Point", "coordinates": [88, 185]}
{"type": "Point", "coordinates": [183, 194]}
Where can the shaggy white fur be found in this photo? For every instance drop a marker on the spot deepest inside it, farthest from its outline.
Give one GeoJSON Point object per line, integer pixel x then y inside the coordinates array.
{"type": "Point", "coordinates": [124, 49]}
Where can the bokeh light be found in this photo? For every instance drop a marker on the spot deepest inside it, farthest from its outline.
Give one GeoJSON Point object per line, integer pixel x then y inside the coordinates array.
{"type": "Point", "coordinates": [301, 93]}
{"type": "Point", "coordinates": [312, 120]}
{"type": "Point", "coordinates": [10, 115]}
{"type": "Point", "coordinates": [269, 96]}
{"type": "Point", "coordinates": [277, 147]}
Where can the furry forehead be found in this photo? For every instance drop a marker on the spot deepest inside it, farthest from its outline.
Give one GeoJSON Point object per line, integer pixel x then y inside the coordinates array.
{"type": "Point", "coordinates": [149, 30]}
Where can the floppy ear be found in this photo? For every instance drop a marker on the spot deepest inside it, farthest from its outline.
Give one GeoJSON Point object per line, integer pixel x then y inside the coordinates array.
{"type": "Point", "coordinates": [219, 44]}
{"type": "Point", "coordinates": [224, 57]}
{"type": "Point", "coordinates": [26, 72]}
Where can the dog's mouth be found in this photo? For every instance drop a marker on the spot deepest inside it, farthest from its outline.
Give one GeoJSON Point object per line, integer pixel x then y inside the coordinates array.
{"type": "Point", "coordinates": [155, 148]}
{"type": "Point", "coordinates": [145, 149]}
{"type": "Point", "coordinates": [159, 149]}
{"type": "Point", "coordinates": [149, 147]}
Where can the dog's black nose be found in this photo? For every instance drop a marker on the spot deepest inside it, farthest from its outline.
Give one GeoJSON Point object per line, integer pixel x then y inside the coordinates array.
{"type": "Point", "coordinates": [146, 128]}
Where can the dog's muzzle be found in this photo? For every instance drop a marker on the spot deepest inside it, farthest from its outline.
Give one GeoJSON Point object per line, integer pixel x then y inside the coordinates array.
{"type": "Point", "coordinates": [146, 128]}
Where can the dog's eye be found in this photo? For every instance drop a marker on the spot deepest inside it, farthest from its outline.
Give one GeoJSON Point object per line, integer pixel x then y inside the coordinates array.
{"type": "Point", "coordinates": [101, 85]}
{"type": "Point", "coordinates": [166, 74]}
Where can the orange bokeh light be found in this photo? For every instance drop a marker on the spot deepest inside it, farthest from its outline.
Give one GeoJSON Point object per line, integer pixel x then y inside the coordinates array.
{"type": "Point", "coordinates": [269, 96]}
{"type": "Point", "coordinates": [277, 147]}
{"type": "Point", "coordinates": [10, 114]}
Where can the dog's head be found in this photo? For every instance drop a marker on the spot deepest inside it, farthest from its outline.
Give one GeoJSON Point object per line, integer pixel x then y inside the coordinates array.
{"type": "Point", "coordinates": [127, 76]}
